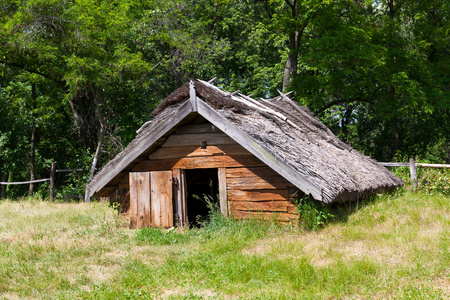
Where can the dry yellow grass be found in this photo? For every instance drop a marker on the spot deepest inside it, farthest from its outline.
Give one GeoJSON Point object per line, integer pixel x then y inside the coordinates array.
{"type": "Point", "coordinates": [393, 248]}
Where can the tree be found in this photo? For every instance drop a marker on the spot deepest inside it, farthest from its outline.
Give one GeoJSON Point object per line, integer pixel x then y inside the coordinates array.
{"type": "Point", "coordinates": [365, 68]}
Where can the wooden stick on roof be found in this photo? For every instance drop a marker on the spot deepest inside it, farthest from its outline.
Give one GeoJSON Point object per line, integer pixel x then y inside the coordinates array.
{"type": "Point", "coordinates": [212, 79]}
{"type": "Point", "coordinates": [249, 97]}
{"type": "Point", "coordinates": [193, 96]}
{"type": "Point", "coordinates": [285, 94]}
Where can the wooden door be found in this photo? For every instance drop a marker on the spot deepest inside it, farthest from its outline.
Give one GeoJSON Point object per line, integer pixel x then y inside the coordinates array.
{"type": "Point", "coordinates": [140, 199]}
{"type": "Point", "coordinates": [151, 199]}
{"type": "Point", "coordinates": [161, 199]}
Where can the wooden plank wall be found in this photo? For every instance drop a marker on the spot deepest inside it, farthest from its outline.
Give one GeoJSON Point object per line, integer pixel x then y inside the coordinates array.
{"type": "Point", "coordinates": [260, 192]}
{"type": "Point", "coordinates": [253, 189]}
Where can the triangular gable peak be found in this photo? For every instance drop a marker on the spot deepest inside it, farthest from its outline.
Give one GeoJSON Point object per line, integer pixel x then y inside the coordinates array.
{"type": "Point", "coordinates": [279, 132]}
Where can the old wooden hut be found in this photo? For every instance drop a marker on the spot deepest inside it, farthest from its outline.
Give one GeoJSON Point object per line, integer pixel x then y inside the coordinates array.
{"type": "Point", "coordinates": [258, 156]}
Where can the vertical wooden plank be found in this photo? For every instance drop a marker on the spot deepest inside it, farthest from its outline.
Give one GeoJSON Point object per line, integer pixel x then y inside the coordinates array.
{"type": "Point", "coordinates": [223, 191]}
{"type": "Point", "coordinates": [167, 207]}
{"type": "Point", "coordinates": [177, 197]}
{"type": "Point", "coordinates": [161, 195]}
{"type": "Point", "coordinates": [133, 200]}
{"type": "Point", "coordinates": [179, 192]}
{"type": "Point", "coordinates": [144, 200]}
{"type": "Point", "coordinates": [193, 96]}
{"type": "Point", "coordinates": [140, 200]}
{"type": "Point", "coordinates": [183, 185]}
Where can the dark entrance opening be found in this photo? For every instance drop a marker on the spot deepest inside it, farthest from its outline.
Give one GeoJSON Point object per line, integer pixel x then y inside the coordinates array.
{"type": "Point", "coordinates": [200, 182]}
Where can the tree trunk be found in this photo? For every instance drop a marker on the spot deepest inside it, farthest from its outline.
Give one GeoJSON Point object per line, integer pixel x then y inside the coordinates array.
{"type": "Point", "coordinates": [290, 69]}
{"type": "Point", "coordinates": [33, 143]}
{"type": "Point", "coordinates": [103, 123]}
{"type": "Point", "coordinates": [95, 160]}
{"type": "Point", "coordinates": [32, 159]}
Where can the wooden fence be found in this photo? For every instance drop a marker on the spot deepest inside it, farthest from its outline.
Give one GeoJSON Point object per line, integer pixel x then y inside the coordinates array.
{"type": "Point", "coordinates": [53, 171]}
{"type": "Point", "coordinates": [413, 168]}
{"type": "Point", "coordinates": [412, 165]}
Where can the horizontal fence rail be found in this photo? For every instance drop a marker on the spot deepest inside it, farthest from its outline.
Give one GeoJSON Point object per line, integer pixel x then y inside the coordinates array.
{"type": "Point", "coordinates": [412, 165]}
{"type": "Point", "coordinates": [436, 166]}
{"type": "Point", "coordinates": [25, 182]}
{"type": "Point", "coordinates": [69, 170]}
{"type": "Point", "coordinates": [51, 179]}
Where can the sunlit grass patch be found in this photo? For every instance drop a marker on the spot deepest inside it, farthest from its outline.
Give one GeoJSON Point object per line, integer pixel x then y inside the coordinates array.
{"type": "Point", "coordinates": [392, 246]}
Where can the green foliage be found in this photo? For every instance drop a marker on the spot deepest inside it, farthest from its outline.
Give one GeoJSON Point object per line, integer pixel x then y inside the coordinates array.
{"type": "Point", "coordinates": [372, 74]}
{"type": "Point", "coordinates": [158, 236]}
{"type": "Point", "coordinates": [74, 183]}
{"type": "Point", "coordinates": [429, 181]}
{"type": "Point", "coordinates": [370, 70]}
{"type": "Point", "coordinates": [313, 214]}
{"type": "Point", "coordinates": [435, 181]}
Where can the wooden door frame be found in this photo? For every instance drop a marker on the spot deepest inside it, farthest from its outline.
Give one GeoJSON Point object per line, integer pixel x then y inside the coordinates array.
{"type": "Point", "coordinates": [223, 192]}
{"type": "Point", "coordinates": [180, 194]}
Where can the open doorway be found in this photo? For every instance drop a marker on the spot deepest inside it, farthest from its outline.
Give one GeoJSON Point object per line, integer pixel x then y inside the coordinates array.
{"type": "Point", "coordinates": [200, 182]}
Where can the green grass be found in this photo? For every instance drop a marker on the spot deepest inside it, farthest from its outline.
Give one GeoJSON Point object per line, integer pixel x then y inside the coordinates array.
{"type": "Point", "coordinates": [391, 247]}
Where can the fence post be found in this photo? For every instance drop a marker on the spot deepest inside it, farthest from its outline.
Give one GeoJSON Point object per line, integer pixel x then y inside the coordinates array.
{"type": "Point", "coordinates": [52, 181]}
{"type": "Point", "coordinates": [2, 189]}
{"type": "Point", "coordinates": [413, 172]}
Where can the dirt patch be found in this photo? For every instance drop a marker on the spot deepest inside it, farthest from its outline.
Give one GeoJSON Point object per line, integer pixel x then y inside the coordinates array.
{"type": "Point", "coordinates": [116, 255]}
{"type": "Point", "coordinates": [443, 284]}
{"type": "Point", "coordinates": [10, 296]}
{"type": "Point", "coordinates": [322, 248]}
{"type": "Point", "coordinates": [101, 273]}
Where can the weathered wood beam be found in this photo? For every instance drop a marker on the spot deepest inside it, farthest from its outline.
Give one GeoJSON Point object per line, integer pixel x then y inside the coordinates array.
{"type": "Point", "coordinates": [159, 131]}
{"type": "Point", "coordinates": [280, 216]}
{"type": "Point", "coordinates": [198, 128]}
{"type": "Point", "coordinates": [180, 192]}
{"type": "Point", "coordinates": [267, 206]}
{"type": "Point", "coordinates": [223, 199]}
{"type": "Point", "coordinates": [257, 183]}
{"type": "Point", "coordinates": [192, 139]}
{"type": "Point", "coordinates": [207, 162]}
{"type": "Point", "coordinates": [195, 151]}
{"type": "Point", "coordinates": [192, 96]}
{"type": "Point", "coordinates": [258, 195]}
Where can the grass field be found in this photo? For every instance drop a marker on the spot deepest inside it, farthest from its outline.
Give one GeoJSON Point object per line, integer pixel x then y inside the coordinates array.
{"type": "Point", "coordinates": [393, 247]}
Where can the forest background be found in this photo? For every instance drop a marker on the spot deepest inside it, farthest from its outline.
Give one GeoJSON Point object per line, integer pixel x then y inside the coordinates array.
{"type": "Point", "coordinates": [79, 77]}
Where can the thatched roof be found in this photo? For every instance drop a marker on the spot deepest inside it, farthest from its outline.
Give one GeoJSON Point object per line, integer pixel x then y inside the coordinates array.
{"type": "Point", "coordinates": [283, 134]}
